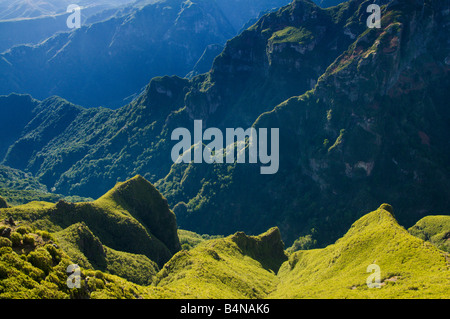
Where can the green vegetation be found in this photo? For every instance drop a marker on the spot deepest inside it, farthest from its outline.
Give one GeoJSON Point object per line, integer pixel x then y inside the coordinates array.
{"type": "Point", "coordinates": [291, 34]}
{"type": "Point", "coordinates": [303, 243]}
{"type": "Point", "coordinates": [338, 140]}
{"type": "Point", "coordinates": [18, 187]}
{"type": "Point", "coordinates": [11, 178]}
{"type": "Point", "coordinates": [224, 268]}
{"type": "Point", "coordinates": [237, 266]}
{"type": "Point", "coordinates": [435, 229]}
{"type": "Point", "coordinates": [3, 203]}
{"type": "Point", "coordinates": [410, 267]}
{"type": "Point", "coordinates": [375, 99]}
{"type": "Point", "coordinates": [86, 250]}
{"type": "Point", "coordinates": [127, 232]}
{"type": "Point", "coordinates": [189, 239]}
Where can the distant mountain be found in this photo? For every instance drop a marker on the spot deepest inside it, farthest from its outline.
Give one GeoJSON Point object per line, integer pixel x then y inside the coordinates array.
{"type": "Point", "coordinates": [371, 129]}
{"type": "Point", "coordinates": [11, 178]}
{"type": "Point", "coordinates": [109, 62]}
{"type": "Point", "coordinates": [132, 217]}
{"type": "Point", "coordinates": [118, 56]}
{"type": "Point", "coordinates": [205, 62]}
{"type": "Point", "coordinates": [239, 12]}
{"type": "Point", "coordinates": [17, 9]}
{"type": "Point", "coordinates": [328, 3]}
{"type": "Point", "coordinates": [35, 30]}
{"type": "Point", "coordinates": [362, 116]}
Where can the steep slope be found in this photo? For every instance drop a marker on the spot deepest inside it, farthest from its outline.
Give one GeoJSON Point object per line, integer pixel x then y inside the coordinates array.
{"type": "Point", "coordinates": [238, 266]}
{"type": "Point", "coordinates": [435, 229]}
{"type": "Point", "coordinates": [205, 62]}
{"type": "Point", "coordinates": [87, 251]}
{"type": "Point", "coordinates": [33, 264]}
{"type": "Point", "coordinates": [280, 56]}
{"type": "Point", "coordinates": [371, 130]}
{"type": "Point", "coordinates": [133, 217]}
{"type": "Point", "coordinates": [371, 127]}
{"type": "Point", "coordinates": [29, 9]}
{"type": "Point", "coordinates": [143, 201]}
{"type": "Point", "coordinates": [97, 139]}
{"type": "Point", "coordinates": [15, 179]}
{"type": "Point", "coordinates": [98, 146]}
{"type": "Point", "coordinates": [34, 30]}
{"type": "Point", "coordinates": [15, 112]}
{"type": "Point", "coordinates": [409, 267]}
{"type": "Point", "coordinates": [328, 3]}
{"type": "Point", "coordinates": [113, 56]}
{"type": "Point", "coordinates": [18, 187]}
{"type": "Point", "coordinates": [111, 60]}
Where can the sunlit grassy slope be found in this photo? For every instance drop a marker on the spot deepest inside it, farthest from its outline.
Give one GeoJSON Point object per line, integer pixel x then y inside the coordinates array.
{"type": "Point", "coordinates": [237, 266]}
{"type": "Point", "coordinates": [435, 229]}
{"type": "Point", "coordinates": [410, 267]}
{"type": "Point", "coordinates": [43, 239]}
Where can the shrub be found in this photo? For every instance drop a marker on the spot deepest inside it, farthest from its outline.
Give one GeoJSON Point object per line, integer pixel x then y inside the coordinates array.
{"type": "Point", "coordinates": [99, 275]}
{"type": "Point", "coordinates": [16, 239]}
{"type": "Point", "coordinates": [5, 242]}
{"type": "Point", "coordinates": [303, 243]}
{"type": "Point", "coordinates": [41, 258]}
{"type": "Point", "coordinates": [186, 246]}
{"type": "Point", "coordinates": [3, 271]}
{"type": "Point", "coordinates": [54, 252]}
{"type": "Point", "coordinates": [45, 235]}
{"type": "Point", "coordinates": [28, 239]}
{"type": "Point", "coordinates": [24, 230]}
{"type": "Point", "coordinates": [5, 250]}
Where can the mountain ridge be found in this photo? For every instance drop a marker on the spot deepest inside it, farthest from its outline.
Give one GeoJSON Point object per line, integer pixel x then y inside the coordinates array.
{"type": "Point", "coordinates": [337, 139]}
{"type": "Point", "coordinates": [237, 266]}
{"type": "Point", "coordinates": [121, 46]}
{"type": "Point", "coordinates": [348, 143]}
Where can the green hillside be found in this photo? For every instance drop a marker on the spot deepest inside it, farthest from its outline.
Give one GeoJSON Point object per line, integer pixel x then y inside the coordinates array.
{"type": "Point", "coordinates": [237, 266]}
{"type": "Point", "coordinates": [410, 267]}
{"type": "Point", "coordinates": [362, 135]}
{"type": "Point", "coordinates": [138, 223]}
{"type": "Point", "coordinates": [434, 229]}
{"type": "Point", "coordinates": [87, 251]}
{"type": "Point", "coordinates": [33, 260]}
{"type": "Point", "coordinates": [363, 119]}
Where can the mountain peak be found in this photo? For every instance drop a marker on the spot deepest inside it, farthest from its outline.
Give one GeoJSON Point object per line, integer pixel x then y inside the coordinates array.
{"type": "Point", "coordinates": [144, 202]}
{"type": "Point", "coordinates": [387, 208]}
{"type": "Point", "coordinates": [267, 248]}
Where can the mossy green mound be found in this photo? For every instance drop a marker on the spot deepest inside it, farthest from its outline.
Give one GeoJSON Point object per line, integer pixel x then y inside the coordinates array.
{"type": "Point", "coordinates": [33, 264]}
{"type": "Point", "coordinates": [86, 250]}
{"type": "Point", "coordinates": [230, 268]}
{"type": "Point", "coordinates": [129, 232]}
{"type": "Point", "coordinates": [435, 229]}
{"type": "Point", "coordinates": [410, 267]}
